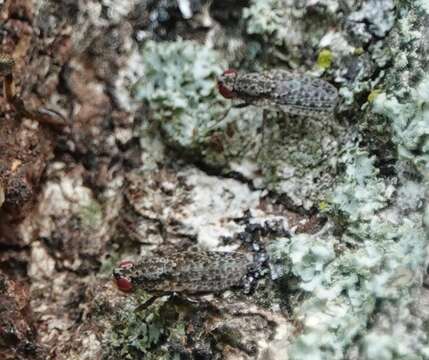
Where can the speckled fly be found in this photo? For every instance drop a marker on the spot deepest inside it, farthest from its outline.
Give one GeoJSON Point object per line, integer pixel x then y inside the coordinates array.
{"type": "Point", "coordinates": [188, 272]}
{"type": "Point", "coordinates": [292, 93]}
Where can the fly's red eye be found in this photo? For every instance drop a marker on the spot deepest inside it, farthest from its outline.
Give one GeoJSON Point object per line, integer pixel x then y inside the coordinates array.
{"type": "Point", "coordinates": [124, 284]}
{"type": "Point", "coordinates": [126, 264]}
{"type": "Point", "coordinates": [225, 92]}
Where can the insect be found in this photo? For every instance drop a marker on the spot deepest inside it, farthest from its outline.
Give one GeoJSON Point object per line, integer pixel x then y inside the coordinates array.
{"type": "Point", "coordinates": [191, 272]}
{"type": "Point", "coordinates": [296, 94]}
{"type": "Point", "coordinates": [42, 115]}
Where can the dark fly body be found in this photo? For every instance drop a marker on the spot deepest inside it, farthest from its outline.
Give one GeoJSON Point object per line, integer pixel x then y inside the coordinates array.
{"type": "Point", "coordinates": [296, 94]}
{"type": "Point", "coordinates": [185, 272]}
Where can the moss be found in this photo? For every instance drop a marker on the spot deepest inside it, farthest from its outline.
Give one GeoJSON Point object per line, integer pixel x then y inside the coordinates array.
{"type": "Point", "coordinates": [324, 59]}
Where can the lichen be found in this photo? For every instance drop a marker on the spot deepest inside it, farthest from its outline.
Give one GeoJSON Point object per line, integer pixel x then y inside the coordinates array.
{"type": "Point", "coordinates": [382, 264]}
{"type": "Point", "coordinates": [409, 121]}
{"type": "Point", "coordinates": [135, 333]}
{"type": "Point", "coordinates": [358, 303]}
{"type": "Point", "coordinates": [360, 193]}
{"type": "Point", "coordinates": [91, 215]}
{"type": "Point", "coordinates": [286, 154]}
{"type": "Point", "coordinates": [156, 331]}
{"type": "Point", "coordinates": [179, 84]}
{"type": "Point", "coordinates": [267, 19]}
{"type": "Point", "coordinates": [373, 95]}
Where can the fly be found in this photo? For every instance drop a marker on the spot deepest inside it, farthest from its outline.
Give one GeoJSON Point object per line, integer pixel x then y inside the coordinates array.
{"type": "Point", "coordinates": [190, 272]}
{"type": "Point", "coordinates": [295, 94]}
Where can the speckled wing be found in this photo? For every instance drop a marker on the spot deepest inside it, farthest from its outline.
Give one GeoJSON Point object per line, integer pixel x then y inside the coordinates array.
{"type": "Point", "coordinates": [6, 64]}
{"type": "Point", "coordinates": [193, 271]}
{"type": "Point", "coordinates": [302, 95]}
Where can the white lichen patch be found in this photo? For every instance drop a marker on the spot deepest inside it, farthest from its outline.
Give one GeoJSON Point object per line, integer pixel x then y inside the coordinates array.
{"type": "Point", "coordinates": [42, 265]}
{"type": "Point", "coordinates": [213, 205]}
{"type": "Point", "coordinates": [127, 77]}
{"type": "Point", "coordinates": [192, 203]}
{"type": "Point", "coordinates": [60, 199]}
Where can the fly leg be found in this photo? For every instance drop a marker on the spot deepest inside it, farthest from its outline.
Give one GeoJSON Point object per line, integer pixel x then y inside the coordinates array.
{"type": "Point", "coordinates": [240, 105]}
{"type": "Point", "coordinates": [148, 302]}
{"type": "Point", "coordinates": [262, 131]}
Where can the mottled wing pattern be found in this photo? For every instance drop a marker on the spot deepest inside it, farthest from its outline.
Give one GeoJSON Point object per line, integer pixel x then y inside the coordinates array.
{"type": "Point", "coordinates": [303, 95]}
{"type": "Point", "coordinates": [192, 271]}
{"type": "Point", "coordinates": [6, 64]}
{"type": "Point", "coordinates": [253, 87]}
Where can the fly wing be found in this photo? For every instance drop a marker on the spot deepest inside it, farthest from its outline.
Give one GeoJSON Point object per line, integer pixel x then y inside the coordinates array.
{"type": "Point", "coordinates": [200, 271]}
{"type": "Point", "coordinates": [303, 95]}
{"type": "Point", "coordinates": [211, 271]}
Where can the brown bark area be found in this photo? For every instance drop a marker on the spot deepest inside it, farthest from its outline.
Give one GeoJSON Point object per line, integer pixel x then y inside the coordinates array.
{"type": "Point", "coordinates": [25, 149]}
{"type": "Point", "coordinates": [65, 72]}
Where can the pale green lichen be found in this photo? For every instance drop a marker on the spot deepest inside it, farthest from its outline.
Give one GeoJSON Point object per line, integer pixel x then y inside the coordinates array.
{"type": "Point", "coordinates": [151, 332]}
{"type": "Point", "coordinates": [281, 25]}
{"type": "Point", "coordinates": [360, 303]}
{"type": "Point", "coordinates": [409, 121]}
{"type": "Point", "coordinates": [179, 85]}
{"type": "Point", "coordinates": [361, 193]}
{"type": "Point", "coordinates": [382, 264]}
{"type": "Point", "coordinates": [267, 18]}
{"type": "Point", "coordinates": [134, 333]}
